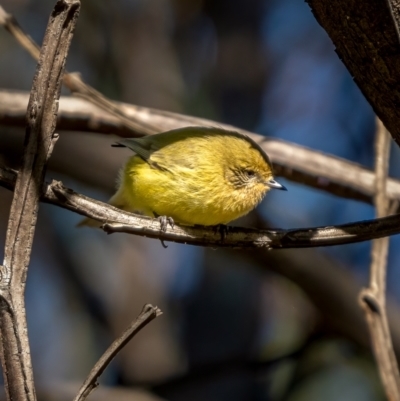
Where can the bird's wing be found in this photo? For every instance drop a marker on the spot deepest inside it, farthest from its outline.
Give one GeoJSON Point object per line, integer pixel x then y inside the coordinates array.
{"type": "Point", "coordinates": [142, 147]}
{"type": "Point", "coordinates": [150, 148]}
{"type": "Point", "coordinates": [147, 149]}
{"type": "Point", "coordinates": [147, 145]}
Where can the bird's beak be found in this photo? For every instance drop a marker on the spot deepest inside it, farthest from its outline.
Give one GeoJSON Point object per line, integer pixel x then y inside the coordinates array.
{"type": "Point", "coordinates": [274, 184]}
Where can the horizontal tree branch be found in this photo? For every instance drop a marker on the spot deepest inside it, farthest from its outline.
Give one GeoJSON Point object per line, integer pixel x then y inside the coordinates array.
{"type": "Point", "coordinates": [294, 162]}
{"type": "Point", "coordinates": [117, 220]}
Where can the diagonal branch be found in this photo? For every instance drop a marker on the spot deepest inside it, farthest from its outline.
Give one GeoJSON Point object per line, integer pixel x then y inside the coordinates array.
{"type": "Point", "coordinates": [72, 81]}
{"type": "Point", "coordinates": [148, 314]}
{"type": "Point", "coordinates": [373, 298]}
{"type": "Point", "coordinates": [12, 26]}
{"type": "Point", "coordinates": [39, 142]}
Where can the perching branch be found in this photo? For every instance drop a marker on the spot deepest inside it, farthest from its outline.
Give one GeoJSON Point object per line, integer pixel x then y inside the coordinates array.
{"type": "Point", "coordinates": [373, 298]}
{"type": "Point", "coordinates": [294, 162]}
{"type": "Point", "coordinates": [148, 313]}
{"type": "Point", "coordinates": [39, 142]}
{"type": "Point", "coordinates": [117, 220]}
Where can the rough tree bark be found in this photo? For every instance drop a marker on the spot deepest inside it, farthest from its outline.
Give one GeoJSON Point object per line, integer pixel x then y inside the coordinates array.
{"type": "Point", "coordinates": [39, 142]}
{"type": "Point", "coordinates": [365, 34]}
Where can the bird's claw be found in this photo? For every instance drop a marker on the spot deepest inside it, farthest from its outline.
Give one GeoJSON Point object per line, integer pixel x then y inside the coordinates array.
{"type": "Point", "coordinates": [164, 221]}
{"type": "Point", "coordinates": [223, 230]}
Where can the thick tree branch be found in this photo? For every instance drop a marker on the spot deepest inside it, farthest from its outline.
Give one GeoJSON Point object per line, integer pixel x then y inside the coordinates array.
{"type": "Point", "coordinates": [294, 162]}
{"type": "Point", "coordinates": [148, 313]}
{"type": "Point", "coordinates": [367, 41]}
{"type": "Point", "coordinates": [373, 299]}
{"type": "Point", "coordinates": [39, 142]}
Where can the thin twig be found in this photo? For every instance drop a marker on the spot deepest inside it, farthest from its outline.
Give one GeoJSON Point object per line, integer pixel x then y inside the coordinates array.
{"type": "Point", "coordinates": [294, 162]}
{"type": "Point", "coordinates": [12, 26]}
{"type": "Point", "coordinates": [72, 81]}
{"type": "Point", "coordinates": [41, 116]}
{"type": "Point", "coordinates": [148, 313]}
{"type": "Point", "coordinates": [373, 298]}
{"type": "Point", "coordinates": [75, 84]}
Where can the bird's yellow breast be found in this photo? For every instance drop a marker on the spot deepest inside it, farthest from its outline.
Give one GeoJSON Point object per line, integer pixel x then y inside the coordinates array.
{"type": "Point", "coordinates": [199, 195]}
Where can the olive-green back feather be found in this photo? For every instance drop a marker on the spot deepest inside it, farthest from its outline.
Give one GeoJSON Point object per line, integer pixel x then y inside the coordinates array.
{"type": "Point", "coordinates": [145, 146]}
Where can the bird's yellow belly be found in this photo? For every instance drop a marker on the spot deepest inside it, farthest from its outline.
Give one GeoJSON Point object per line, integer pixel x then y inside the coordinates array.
{"type": "Point", "coordinates": [183, 197]}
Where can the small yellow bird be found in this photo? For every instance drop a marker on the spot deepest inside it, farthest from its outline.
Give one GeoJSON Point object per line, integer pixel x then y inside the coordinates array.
{"type": "Point", "coordinates": [193, 175]}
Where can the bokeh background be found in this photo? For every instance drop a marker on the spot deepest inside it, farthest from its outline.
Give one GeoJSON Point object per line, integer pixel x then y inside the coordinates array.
{"type": "Point", "coordinates": [237, 326]}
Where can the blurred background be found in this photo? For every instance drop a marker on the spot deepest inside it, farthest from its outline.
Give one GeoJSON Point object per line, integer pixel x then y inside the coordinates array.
{"type": "Point", "coordinates": [237, 325]}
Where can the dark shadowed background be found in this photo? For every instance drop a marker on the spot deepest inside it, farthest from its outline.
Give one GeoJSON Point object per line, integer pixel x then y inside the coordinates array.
{"type": "Point", "coordinates": [237, 326]}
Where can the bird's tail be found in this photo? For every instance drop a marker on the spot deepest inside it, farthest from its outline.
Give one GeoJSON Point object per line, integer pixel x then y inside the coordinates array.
{"type": "Point", "coordinates": [117, 200]}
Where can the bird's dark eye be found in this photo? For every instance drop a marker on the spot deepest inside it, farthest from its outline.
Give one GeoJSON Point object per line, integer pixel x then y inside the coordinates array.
{"type": "Point", "coordinates": [250, 173]}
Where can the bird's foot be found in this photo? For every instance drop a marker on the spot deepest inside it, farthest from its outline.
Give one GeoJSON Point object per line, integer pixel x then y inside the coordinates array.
{"type": "Point", "coordinates": [164, 221]}
{"type": "Point", "coordinates": [222, 229]}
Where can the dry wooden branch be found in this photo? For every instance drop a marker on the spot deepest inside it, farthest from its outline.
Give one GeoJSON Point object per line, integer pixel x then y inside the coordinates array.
{"type": "Point", "coordinates": [294, 162]}
{"type": "Point", "coordinates": [148, 313]}
{"type": "Point", "coordinates": [235, 237]}
{"type": "Point", "coordinates": [72, 81]}
{"type": "Point", "coordinates": [39, 142]}
{"type": "Point", "coordinates": [367, 41]}
{"type": "Point", "coordinates": [373, 299]}
{"type": "Point", "coordinates": [12, 26]}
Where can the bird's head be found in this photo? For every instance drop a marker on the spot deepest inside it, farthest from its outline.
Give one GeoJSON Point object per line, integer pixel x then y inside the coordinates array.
{"type": "Point", "coordinates": [251, 170]}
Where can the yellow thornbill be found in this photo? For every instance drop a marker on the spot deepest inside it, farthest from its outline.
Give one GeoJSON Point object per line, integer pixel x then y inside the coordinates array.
{"type": "Point", "coordinates": [193, 175]}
